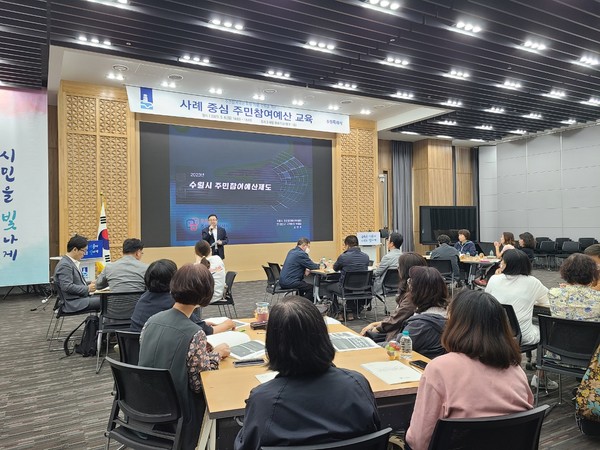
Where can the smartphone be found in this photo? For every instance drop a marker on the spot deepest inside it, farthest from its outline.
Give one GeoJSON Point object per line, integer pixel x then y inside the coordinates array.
{"type": "Point", "coordinates": [248, 362]}
{"type": "Point", "coordinates": [419, 364]}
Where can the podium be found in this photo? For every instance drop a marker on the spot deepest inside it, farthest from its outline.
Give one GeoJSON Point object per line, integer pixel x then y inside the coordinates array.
{"type": "Point", "coordinates": [368, 242]}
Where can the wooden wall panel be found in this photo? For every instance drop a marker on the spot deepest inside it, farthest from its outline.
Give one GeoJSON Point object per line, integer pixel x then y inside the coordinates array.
{"type": "Point", "coordinates": [464, 177]}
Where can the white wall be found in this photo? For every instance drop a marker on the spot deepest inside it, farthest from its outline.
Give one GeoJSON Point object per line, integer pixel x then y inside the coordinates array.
{"type": "Point", "coordinates": [548, 185]}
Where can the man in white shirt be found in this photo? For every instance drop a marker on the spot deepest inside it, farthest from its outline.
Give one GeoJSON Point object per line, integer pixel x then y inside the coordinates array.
{"type": "Point", "coordinates": [388, 262]}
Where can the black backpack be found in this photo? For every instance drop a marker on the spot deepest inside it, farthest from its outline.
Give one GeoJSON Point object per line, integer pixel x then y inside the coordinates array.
{"type": "Point", "coordinates": [88, 345]}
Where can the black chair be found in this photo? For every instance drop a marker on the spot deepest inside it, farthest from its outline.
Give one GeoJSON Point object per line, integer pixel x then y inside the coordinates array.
{"type": "Point", "coordinates": [444, 266]}
{"type": "Point", "coordinates": [519, 431]}
{"type": "Point", "coordinates": [560, 241]}
{"type": "Point", "coordinates": [146, 413]}
{"type": "Point", "coordinates": [273, 287]}
{"type": "Point", "coordinates": [116, 309]}
{"type": "Point", "coordinates": [568, 248]}
{"type": "Point", "coordinates": [547, 251]}
{"type": "Point", "coordinates": [389, 285]}
{"type": "Point", "coordinates": [372, 441]}
{"type": "Point", "coordinates": [537, 251]}
{"type": "Point", "coordinates": [566, 348]}
{"type": "Point", "coordinates": [586, 242]}
{"type": "Point", "coordinates": [129, 346]}
{"type": "Point", "coordinates": [276, 269]}
{"type": "Point", "coordinates": [357, 285]}
{"type": "Point", "coordinates": [227, 300]}
{"type": "Point", "coordinates": [516, 328]}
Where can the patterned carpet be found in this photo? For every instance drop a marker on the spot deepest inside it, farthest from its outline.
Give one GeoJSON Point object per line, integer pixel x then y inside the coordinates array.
{"type": "Point", "coordinates": [51, 402]}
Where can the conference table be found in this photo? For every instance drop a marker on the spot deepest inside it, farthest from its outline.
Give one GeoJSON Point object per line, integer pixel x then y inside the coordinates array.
{"type": "Point", "coordinates": [227, 389]}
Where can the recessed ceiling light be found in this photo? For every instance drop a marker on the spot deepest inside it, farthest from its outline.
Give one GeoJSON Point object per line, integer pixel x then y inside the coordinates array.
{"type": "Point", "coordinates": [365, 112]}
{"type": "Point", "coordinates": [82, 38]}
{"type": "Point", "coordinates": [270, 91]}
{"type": "Point", "coordinates": [168, 84]}
{"type": "Point", "coordinates": [484, 127]}
{"type": "Point", "coordinates": [345, 85]}
{"type": "Point", "coordinates": [588, 60]}
{"type": "Point", "coordinates": [447, 122]}
{"type": "Point", "coordinates": [593, 101]}
{"type": "Point", "coordinates": [297, 102]}
{"type": "Point", "coordinates": [333, 107]}
{"type": "Point", "coordinates": [555, 93]}
{"type": "Point", "coordinates": [276, 74]}
{"type": "Point", "coordinates": [345, 102]}
{"type": "Point", "coordinates": [443, 136]}
{"type": "Point", "coordinates": [259, 97]}
{"type": "Point", "coordinates": [454, 103]}
{"type": "Point", "coordinates": [569, 121]}
{"type": "Point", "coordinates": [217, 91]}
{"type": "Point", "coordinates": [197, 60]}
{"type": "Point", "coordinates": [495, 110]}
{"type": "Point", "coordinates": [107, 42]}
{"type": "Point", "coordinates": [403, 94]}
{"type": "Point", "coordinates": [477, 140]}
{"type": "Point", "coordinates": [321, 46]}
{"type": "Point", "coordinates": [225, 25]}
{"type": "Point", "coordinates": [509, 84]}
{"type": "Point", "coordinates": [532, 46]}
{"type": "Point", "coordinates": [384, 4]}
{"type": "Point", "coordinates": [518, 131]}
{"type": "Point", "coordinates": [532, 115]}
{"type": "Point", "coordinates": [95, 40]}
{"type": "Point", "coordinates": [467, 27]}
{"type": "Point", "coordinates": [120, 68]}
{"type": "Point", "coordinates": [395, 61]}
{"type": "Point", "coordinates": [457, 74]}
{"type": "Point", "coordinates": [409, 132]}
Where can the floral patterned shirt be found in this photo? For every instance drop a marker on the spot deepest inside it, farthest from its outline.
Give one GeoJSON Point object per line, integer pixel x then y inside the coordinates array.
{"type": "Point", "coordinates": [575, 302]}
{"type": "Point", "coordinates": [200, 357]}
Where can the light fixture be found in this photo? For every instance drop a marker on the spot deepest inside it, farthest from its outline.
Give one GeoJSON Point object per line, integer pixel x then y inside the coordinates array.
{"type": "Point", "coordinates": [276, 74]}
{"type": "Point", "coordinates": [533, 46]}
{"type": "Point", "coordinates": [495, 110]}
{"type": "Point", "coordinates": [555, 93]}
{"type": "Point", "coordinates": [518, 131]}
{"type": "Point", "coordinates": [467, 26]}
{"type": "Point", "coordinates": [384, 4]}
{"type": "Point", "coordinates": [484, 127]}
{"type": "Point", "coordinates": [593, 101]}
{"type": "Point", "coordinates": [169, 84]}
{"type": "Point", "coordinates": [197, 60]}
{"type": "Point", "coordinates": [115, 76]}
{"type": "Point", "coordinates": [509, 84]}
{"type": "Point", "coordinates": [93, 41]}
{"type": "Point", "coordinates": [217, 91]}
{"type": "Point", "coordinates": [410, 132]}
{"type": "Point", "coordinates": [403, 94]}
{"type": "Point", "coordinates": [532, 115]}
{"type": "Point", "coordinates": [333, 107]}
{"type": "Point", "coordinates": [259, 97]}
{"type": "Point", "coordinates": [477, 140]}
{"type": "Point", "coordinates": [320, 46]}
{"type": "Point", "coordinates": [457, 74]}
{"type": "Point", "coordinates": [297, 102]}
{"type": "Point", "coordinates": [82, 38]}
{"type": "Point", "coordinates": [450, 102]}
{"type": "Point", "coordinates": [443, 136]}
{"type": "Point", "coordinates": [225, 25]}
{"type": "Point", "coordinates": [365, 112]}
{"type": "Point", "coordinates": [345, 85]}
{"type": "Point", "coordinates": [569, 121]}
{"type": "Point", "coordinates": [588, 60]}
{"type": "Point", "coordinates": [395, 61]}
{"type": "Point", "coordinates": [447, 122]}
{"type": "Point", "coordinates": [116, 3]}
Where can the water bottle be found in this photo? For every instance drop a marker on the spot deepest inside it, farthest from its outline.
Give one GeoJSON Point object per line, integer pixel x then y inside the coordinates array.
{"type": "Point", "coordinates": [405, 345]}
{"type": "Point", "coordinates": [492, 254]}
{"type": "Point", "coordinates": [322, 264]}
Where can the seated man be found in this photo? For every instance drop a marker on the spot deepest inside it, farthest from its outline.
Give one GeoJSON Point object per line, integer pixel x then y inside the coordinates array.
{"type": "Point", "coordinates": [68, 278]}
{"type": "Point", "coordinates": [127, 273]}
{"type": "Point", "coordinates": [352, 260]}
{"type": "Point", "coordinates": [389, 261]}
{"type": "Point", "coordinates": [296, 266]}
{"type": "Point", "coordinates": [445, 251]}
{"type": "Point", "coordinates": [158, 298]}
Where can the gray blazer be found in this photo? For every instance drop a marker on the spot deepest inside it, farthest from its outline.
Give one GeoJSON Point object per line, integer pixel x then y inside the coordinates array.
{"type": "Point", "coordinates": [72, 284]}
{"type": "Point", "coordinates": [124, 275]}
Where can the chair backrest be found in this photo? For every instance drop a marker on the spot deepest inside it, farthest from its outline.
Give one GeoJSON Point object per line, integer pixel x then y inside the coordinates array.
{"type": "Point", "coordinates": [276, 269]}
{"type": "Point", "coordinates": [146, 396]}
{"type": "Point", "coordinates": [539, 240]}
{"type": "Point", "coordinates": [519, 431]}
{"type": "Point", "coordinates": [357, 280]}
{"type": "Point", "coordinates": [571, 247]}
{"type": "Point", "coordinates": [561, 241]}
{"type": "Point", "coordinates": [372, 441]}
{"type": "Point", "coordinates": [444, 266]}
{"type": "Point", "coordinates": [573, 341]}
{"type": "Point", "coordinates": [548, 247]}
{"type": "Point", "coordinates": [391, 282]}
{"type": "Point", "coordinates": [271, 280]}
{"type": "Point", "coordinates": [586, 242]}
{"type": "Point", "coordinates": [118, 305]}
{"type": "Point", "coordinates": [228, 291]}
{"type": "Point", "coordinates": [129, 346]}
{"type": "Point", "coordinates": [513, 321]}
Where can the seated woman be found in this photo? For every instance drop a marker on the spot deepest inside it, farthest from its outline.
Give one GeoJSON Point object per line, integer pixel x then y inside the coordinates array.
{"type": "Point", "coordinates": [593, 251]}
{"type": "Point", "coordinates": [577, 299]}
{"type": "Point", "coordinates": [169, 340]}
{"type": "Point", "coordinates": [388, 328]}
{"type": "Point", "coordinates": [527, 245]}
{"type": "Point", "coordinates": [310, 401]}
{"type": "Point", "coordinates": [515, 286]}
{"type": "Point", "coordinates": [464, 245]}
{"type": "Point", "coordinates": [507, 241]}
{"type": "Point", "coordinates": [429, 295]}
{"type": "Point", "coordinates": [215, 265]}
{"type": "Point", "coordinates": [480, 375]}
{"type": "Point", "coordinates": [157, 298]}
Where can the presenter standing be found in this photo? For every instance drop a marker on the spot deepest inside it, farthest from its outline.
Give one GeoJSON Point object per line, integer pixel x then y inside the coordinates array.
{"type": "Point", "coordinates": [215, 236]}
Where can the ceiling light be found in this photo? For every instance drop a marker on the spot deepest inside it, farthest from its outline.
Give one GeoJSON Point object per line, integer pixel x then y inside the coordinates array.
{"type": "Point", "coordinates": [276, 74]}
{"type": "Point", "coordinates": [321, 46]}
{"type": "Point", "coordinates": [477, 140]}
{"type": "Point", "coordinates": [395, 61]}
{"type": "Point", "coordinates": [532, 115]}
{"type": "Point", "coordinates": [345, 85]}
{"type": "Point", "coordinates": [385, 4]}
{"type": "Point", "coordinates": [225, 25]}
{"type": "Point", "coordinates": [259, 97]}
{"type": "Point", "coordinates": [204, 61]}
{"type": "Point", "coordinates": [450, 102]}
{"type": "Point", "coordinates": [217, 91]}
{"type": "Point", "coordinates": [594, 101]}
{"type": "Point", "coordinates": [366, 112]}
{"type": "Point", "coordinates": [447, 122]}
{"type": "Point", "coordinates": [297, 102]}
{"type": "Point", "coordinates": [405, 95]}
{"type": "Point", "coordinates": [95, 40]}
{"type": "Point", "coordinates": [495, 110]}
{"type": "Point", "coordinates": [532, 46]}
{"type": "Point", "coordinates": [216, 22]}
{"type": "Point", "coordinates": [555, 93]}
{"type": "Point", "coordinates": [107, 42]}
{"type": "Point", "coordinates": [238, 26]}
{"type": "Point", "coordinates": [169, 84]}
{"type": "Point", "coordinates": [443, 136]}
{"type": "Point", "coordinates": [82, 38]}
{"type": "Point", "coordinates": [569, 121]}
{"type": "Point", "coordinates": [410, 132]}
{"type": "Point", "coordinates": [509, 84]}
{"type": "Point", "coordinates": [588, 60]}
{"type": "Point", "coordinates": [457, 74]}
{"type": "Point", "coordinates": [518, 131]}
{"type": "Point", "coordinates": [469, 27]}
{"type": "Point", "coordinates": [333, 107]}
{"type": "Point", "coordinates": [116, 3]}
{"type": "Point", "coordinates": [484, 127]}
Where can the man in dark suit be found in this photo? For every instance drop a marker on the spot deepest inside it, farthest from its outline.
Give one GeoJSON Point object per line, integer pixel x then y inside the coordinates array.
{"type": "Point", "coordinates": [215, 236]}
{"type": "Point", "coordinates": [297, 265]}
{"type": "Point", "coordinates": [69, 279]}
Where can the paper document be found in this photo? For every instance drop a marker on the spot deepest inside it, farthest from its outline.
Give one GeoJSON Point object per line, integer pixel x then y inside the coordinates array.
{"type": "Point", "coordinates": [229, 337]}
{"type": "Point", "coordinates": [220, 320]}
{"type": "Point", "coordinates": [268, 376]}
{"type": "Point", "coordinates": [346, 341]}
{"type": "Point", "coordinates": [393, 372]}
{"type": "Point", "coordinates": [331, 321]}
{"type": "Point", "coordinates": [241, 346]}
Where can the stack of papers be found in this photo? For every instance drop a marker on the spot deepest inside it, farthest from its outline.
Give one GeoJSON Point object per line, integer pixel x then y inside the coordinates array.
{"type": "Point", "coordinates": [345, 341]}
{"type": "Point", "coordinates": [220, 320]}
{"type": "Point", "coordinates": [393, 372]}
{"type": "Point", "coordinates": [241, 346]}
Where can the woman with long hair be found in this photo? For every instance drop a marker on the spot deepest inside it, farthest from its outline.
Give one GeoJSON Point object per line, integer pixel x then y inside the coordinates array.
{"type": "Point", "coordinates": [507, 242]}
{"type": "Point", "coordinates": [480, 376]}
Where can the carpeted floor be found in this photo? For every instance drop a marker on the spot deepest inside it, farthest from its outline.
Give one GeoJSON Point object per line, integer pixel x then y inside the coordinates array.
{"type": "Point", "coordinates": [51, 402]}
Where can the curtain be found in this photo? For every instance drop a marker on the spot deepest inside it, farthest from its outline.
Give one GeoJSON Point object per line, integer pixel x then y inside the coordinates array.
{"type": "Point", "coordinates": [475, 172]}
{"type": "Point", "coordinates": [402, 192]}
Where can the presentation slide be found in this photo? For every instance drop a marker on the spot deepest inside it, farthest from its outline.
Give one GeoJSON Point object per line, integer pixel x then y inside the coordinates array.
{"type": "Point", "coordinates": [263, 188]}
